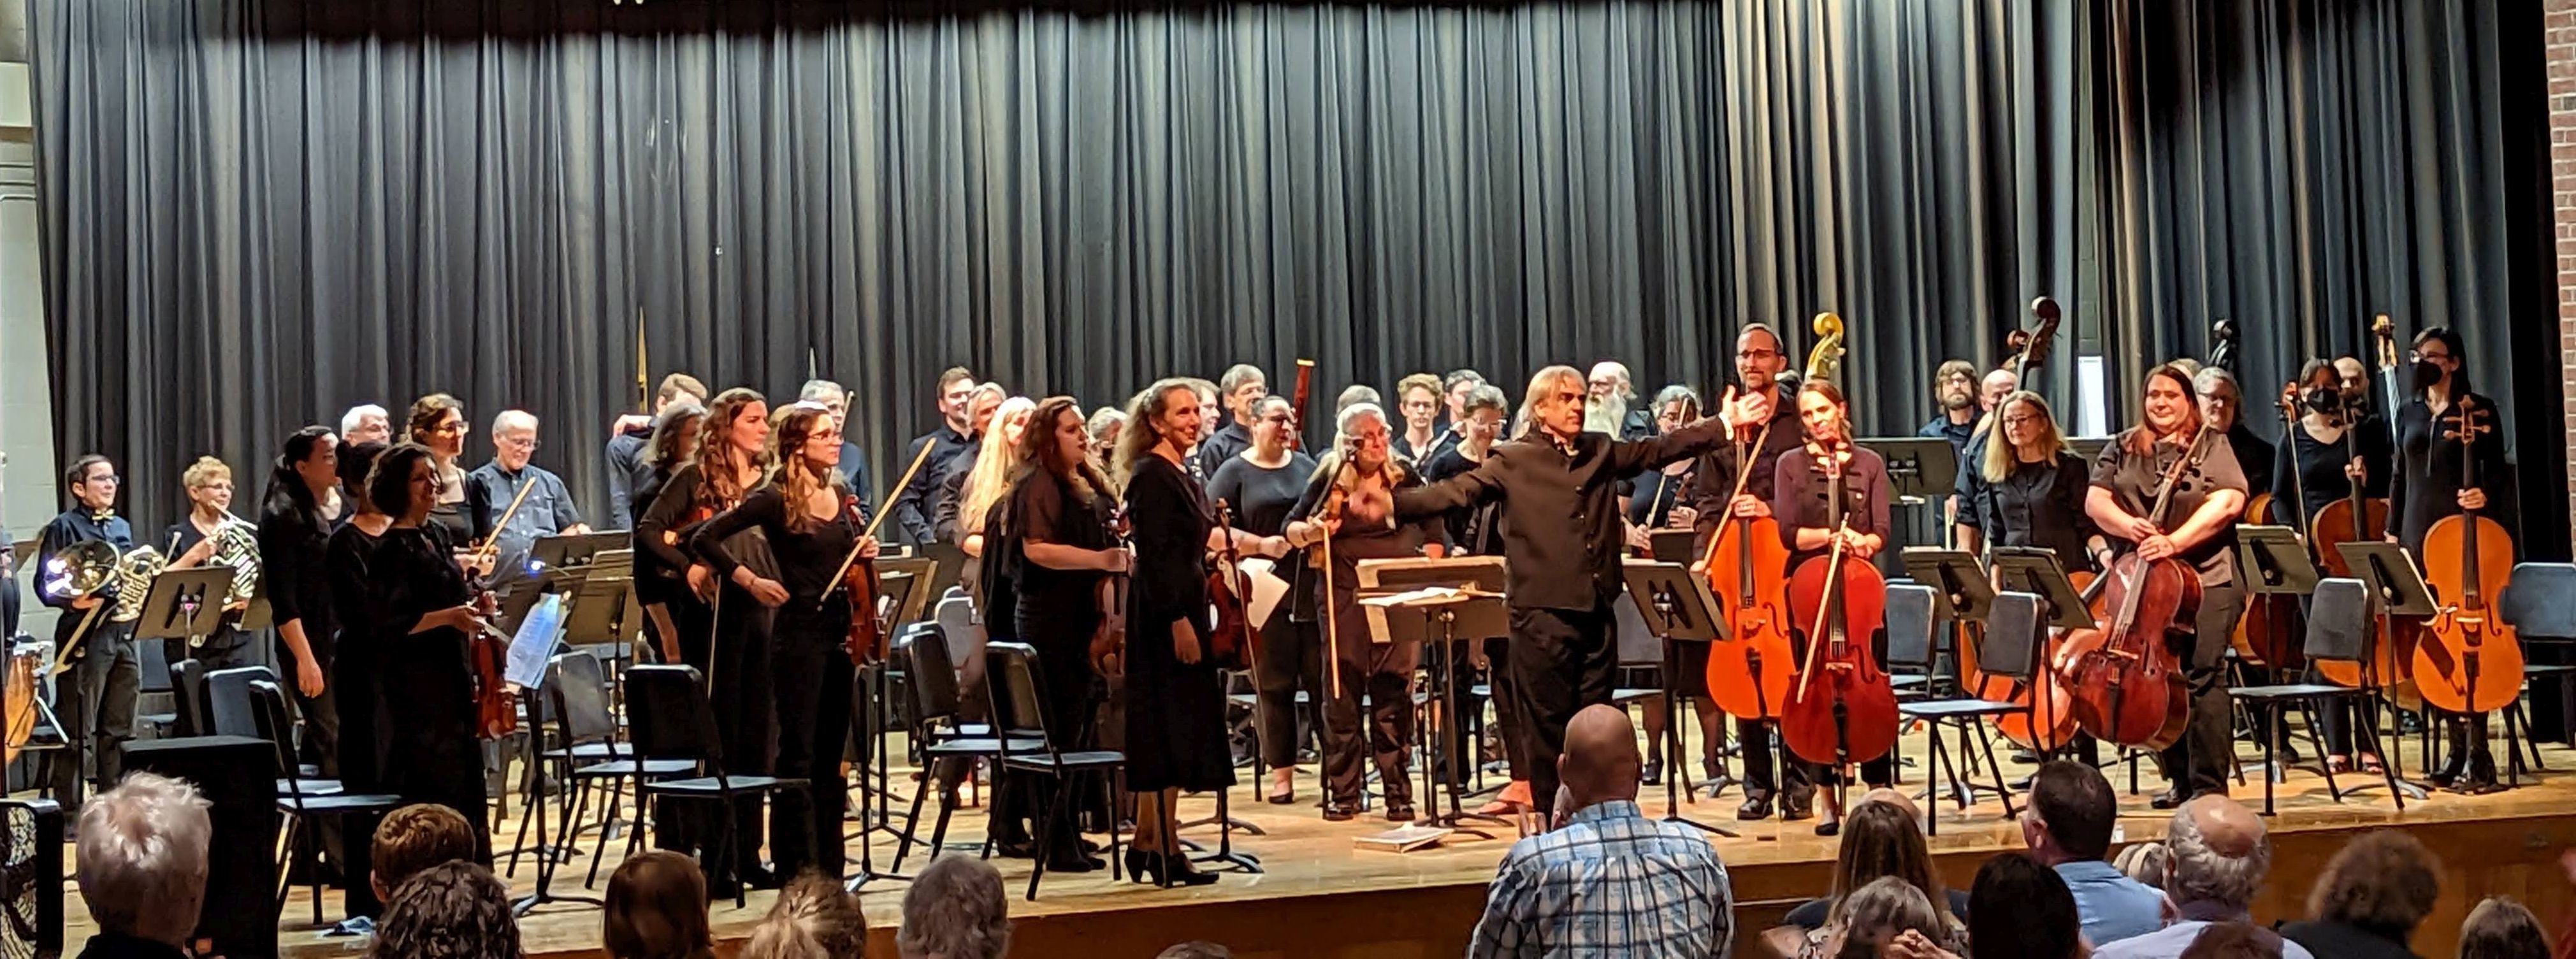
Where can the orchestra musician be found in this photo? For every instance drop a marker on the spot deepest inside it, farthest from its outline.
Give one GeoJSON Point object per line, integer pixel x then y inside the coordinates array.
{"type": "Point", "coordinates": [662, 586]}
{"type": "Point", "coordinates": [297, 513]}
{"type": "Point", "coordinates": [724, 632]}
{"type": "Point", "coordinates": [1558, 487]}
{"type": "Point", "coordinates": [981, 408]}
{"type": "Point", "coordinates": [421, 611]}
{"type": "Point", "coordinates": [914, 504]}
{"type": "Point", "coordinates": [986, 576]}
{"type": "Point", "coordinates": [811, 523]}
{"type": "Point", "coordinates": [1800, 502]}
{"type": "Point", "coordinates": [2206, 501]}
{"type": "Point", "coordinates": [2427, 485]}
{"type": "Point", "coordinates": [1607, 403]}
{"type": "Point", "coordinates": [2029, 491]}
{"type": "Point", "coordinates": [1471, 531]}
{"type": "Point", "coordinates": [96, 705]}
{"type": "Point", "coordinates": [1417, 399]}
{"type": "Point", "coordinates": [1659, 500]}
{"type": "Point", "coordinates": [545, 509]}
{"type": "Point", "coordinates": [2315, 467]}
{"type": "Point", "coordinates": [354, 678]}
{"type": "Point", "coordinates": [1242, 386]}
{"type": "Point", "coordinates": [1056, 544]}
{"type": "Point", "coordinates": [2222, 405]}
{"type": "Point", "coordinates": [1363, 462]}
{"type": "Point", "coordinates": [1175, 730]}
{"type": "Point", "coordinates": [366, 423]}
{"type": "Point", "coordinates": [1954, 387]}
{"type": "Point", "coordinates": [191, 542]}
{"type": "Point", "coordinates": [437, 421]}
{"type": "Point", "coordinates": [1262, 484]}
{"type": "Point", "coordinates": [629, 464]}
{"type": "Point", "coordinates": [1768, 413]}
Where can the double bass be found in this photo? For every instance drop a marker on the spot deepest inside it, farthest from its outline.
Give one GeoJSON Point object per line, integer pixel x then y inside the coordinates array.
{"type": "Point", "coordinates": [2046, 694]}
{"type": "Point", "coordinates": [2469, 661]}
{"type": "Point", "coordinates": [1842, 710]}
{"type": "Point", "coordinates": [2127, 681]}
{"type": "Point", "coordinates": [1749, 668]}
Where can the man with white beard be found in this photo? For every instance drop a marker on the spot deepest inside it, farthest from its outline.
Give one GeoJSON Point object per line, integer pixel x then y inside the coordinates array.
{"type": "Point", "coordinates": [1607, 398]}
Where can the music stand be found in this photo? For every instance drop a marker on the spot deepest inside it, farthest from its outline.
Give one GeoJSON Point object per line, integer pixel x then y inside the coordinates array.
{"type": "Point", "coordinates": [1460, 598]}
{"type": "Point", "coordinates": [596, 614]}
{"type": "Point", "coordinates": [950, 562]}
{"type": "Point", "coordinates": [1678, 607]}
{"type": "Point", "coordinates": [1673, 545]}
{"type": "Point", "coordinates": [1918, 468]}
{"type": "Point", "coordinates": [2275, 561]}
{"type": "Point", "coordinates": [2396, 589]}
{"type": "Point", "coordinates": [903, 591]}
{"type": "Point", "coordinates": [2036, 570]}
{"type": "Point", "coordinates": [2087, 448]}
{"type": "Point", "coordinates": [1959, 587]}
{"type": "Point", "coordinates": [184, 603]}
{"type": "Point", "coordinates": [573, 549]}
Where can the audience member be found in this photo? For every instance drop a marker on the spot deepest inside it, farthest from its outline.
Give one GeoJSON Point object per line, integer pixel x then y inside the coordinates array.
{"type": "Point", "coordinates": [453, 910]}
{"type": "Point", "coordinates": [2220, 854]}
{"type": "Point", "coordinates": [2146, 862]}
{"type": "Point", "coordinates": [1611, 881]}
{"type": "Point", "coordinates": [2236, 939]}
{"type": "Point", "coordinates": [1882, 840]}
{"type": "Point", "coordinates": [814, 918]}
{"type": "Point", "coordinates": [414, 838]}
{"type": "Point", "coordinates": [2369, 899]}
{"type": "Point", "coordinates": [142, 866]}
{"type": "Point", "coordinates": [1201, 949]}
{"type": "Point", "coordinates": [955, 910]}
{"type": "Point", "coordinates": [656, 909]}
{"type": "Point", "coordinates": [2500, 928]}
{"type": "Point", "coordinates": [2067, 826]}
{"type": "Point", "coordinates": [2021, 909]}
{"type": "Point", "coordinates": [1887, 919]}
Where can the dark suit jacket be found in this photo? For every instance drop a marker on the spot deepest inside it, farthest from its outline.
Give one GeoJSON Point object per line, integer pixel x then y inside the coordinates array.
{"type": "Point", "coordinates": [2345, 941]}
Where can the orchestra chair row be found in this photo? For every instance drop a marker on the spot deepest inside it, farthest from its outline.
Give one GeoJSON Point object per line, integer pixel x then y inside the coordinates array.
{"type": "Point", "coordinates": [2009, 649]}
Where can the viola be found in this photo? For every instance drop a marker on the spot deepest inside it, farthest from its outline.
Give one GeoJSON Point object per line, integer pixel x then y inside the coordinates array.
{"type": "Point", "coordinates": [1234, 644]}
{"type": "Point", "coordinates": [1842, 709]}
{"type": "Point", "coordinates": [866, 641]}
{"type": "Point", "coordinates": [1750, 668]}
{"type": "Point", "coordinates": [1109, 638]}
{"type": "Point", "coordinates": [2469, 661]}
{"type": "Point", "coordinates": [496, 702]}
{"type": "Point", "coordinates": [2127, 681]}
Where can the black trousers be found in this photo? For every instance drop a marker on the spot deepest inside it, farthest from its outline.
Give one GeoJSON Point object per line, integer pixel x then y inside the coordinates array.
{"type": "Point", "coordinates": [1292, 660]}
{"type": "Point", "coordinates": [2199, 762]}
{"type": "Point", "coordinates": [812, 676]}
{"type": "Point", "coordinates": [1561, 661]}
{"type": "Point", "coordinates": [1384, 673]}
{"type": "Point", "coordinates": [96, 707]}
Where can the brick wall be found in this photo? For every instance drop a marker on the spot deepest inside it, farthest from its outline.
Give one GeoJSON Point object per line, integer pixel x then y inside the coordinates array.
{"type": "Point", "coordinates": [2561, 18]}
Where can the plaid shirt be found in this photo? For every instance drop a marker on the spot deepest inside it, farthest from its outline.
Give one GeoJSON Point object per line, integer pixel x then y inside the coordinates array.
{"type": "Point", "coordinates": [1611, 883]}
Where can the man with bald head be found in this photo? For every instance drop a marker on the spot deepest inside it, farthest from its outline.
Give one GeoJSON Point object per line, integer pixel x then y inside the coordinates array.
{"type": "Point", "coordinates": [1609, 881]}
{"type": "Point", "coordinates": [2220, 853]}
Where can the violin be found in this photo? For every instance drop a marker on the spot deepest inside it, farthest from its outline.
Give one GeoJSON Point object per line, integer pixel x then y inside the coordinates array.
{"type": "Point", "coordinates": [1234, 644]}
{"type": "Point", "coordinates": [1750, 667]}
{"type": "Point", "coordinates": [2127, 681]}
{"type": "Point", "coordinates": [496, 701]}
{"type": "Point", "coordinates": [1109, 639]}
{"type": "Point", "coordinates": [866, 641]}
{"type": "Point", "coordinates": [1842, 709]}
{"type": "Point", "coordinates": [2469, 661]}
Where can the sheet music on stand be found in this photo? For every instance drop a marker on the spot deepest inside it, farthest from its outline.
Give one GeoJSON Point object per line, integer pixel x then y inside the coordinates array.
{"type": "Point", "coordinates": [1269, 590]}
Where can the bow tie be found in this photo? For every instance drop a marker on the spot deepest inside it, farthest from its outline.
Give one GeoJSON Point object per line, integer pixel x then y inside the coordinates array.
{"type": "Point", "coordinates": [102, 515]}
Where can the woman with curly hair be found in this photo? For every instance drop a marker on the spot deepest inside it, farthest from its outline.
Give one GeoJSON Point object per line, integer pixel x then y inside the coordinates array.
{"type": "Point", "coordinates": [2368, 901]}
{"type": "Point", "coordinates": [454, 910]}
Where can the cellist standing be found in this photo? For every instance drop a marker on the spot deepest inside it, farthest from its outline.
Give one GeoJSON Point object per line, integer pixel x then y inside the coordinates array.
{"type": "Point", "coordinates": [2429, 484]}
{"type": "Point", "coordinates": [1801, 499]}
{"type": "Point", "coordinates": [2209, 494]}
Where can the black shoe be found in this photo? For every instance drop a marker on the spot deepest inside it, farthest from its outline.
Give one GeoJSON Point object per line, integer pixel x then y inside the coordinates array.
{"type": "Point", "coordinates": [1341, 812]}
{"type": "Point", "coordinates": [1399, 810]}
{"type": "Point", "coordinates": [762, 877]}
{"type": "Point", "coordinates": [1755, 807]}
{"type": "Point", "coordinates": [1654, 774]}
{"type": "Point", "coordinates": [1288, 798]}
{"type": "Point", "coordinates": [1794, 813]}
{"type": "Point", "coordinates": [1829, 827]}
{"type": "Point", "coordinates": [2169, 799]}
{"type": "Point", "coordinates": [1070, 861]}
{"type": "Point", "coordinates": [1019, 848]}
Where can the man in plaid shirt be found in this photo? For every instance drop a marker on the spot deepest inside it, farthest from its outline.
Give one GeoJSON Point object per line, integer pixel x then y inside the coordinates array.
{"type": "Point", "coordinates": [1609, 882]}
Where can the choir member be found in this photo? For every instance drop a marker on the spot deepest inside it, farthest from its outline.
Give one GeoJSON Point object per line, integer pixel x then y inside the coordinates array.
{"type": "Point", "coordinates": [2429, 484]}
{"type": "Point", "coordinates": [1954, 387]}
{"type": "Point", "coordinates": [1609, 396]}
{"type": "Point", "coordinates": [812, 524]}
{"type": "Point", "coordinates": [1454, 390]}
{"type": "Point", "coordinates": [1242, 386]}
{"type": "Point", "coordinates": [1262, 485]}
{"type": "Point", "coordinates": [981, 407]}
{"type": "Point", "coordinates": [1417, 398]}
{"type": "Point", "coordinates": [1659, 501]}
{"type": "Point", "coordinates": [2206, 502]}
{"type": "Point", "coordinates": [366, 423]}
{"type": "Point", "coordinates": [423, 612]}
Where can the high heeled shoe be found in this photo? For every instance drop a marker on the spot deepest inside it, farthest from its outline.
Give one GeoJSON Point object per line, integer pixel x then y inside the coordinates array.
{"type": "Point", "coordinates": [1161, 870]}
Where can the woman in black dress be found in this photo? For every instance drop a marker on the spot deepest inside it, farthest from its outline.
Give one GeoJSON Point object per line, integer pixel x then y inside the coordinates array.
{"type": "Point", "coordinates": [659, 584]}
{"type": "Point", "coordinates": [422, 612]}
{"type": "Point", "coordinates": [437, 421]}
{"type": "Point", "coordinates": [1175, 724]}
{"type": "Point", "coordinates": [1362, 461]}
{"type": "Point", "coordinates": [2429, 484]}
{"type": "Point", "coordinates": [1261, 485]}
{"type": "Point", "coordinates": [1056, 546]}
{"type": "Point", "coordinates": [2323, 452]}
{"type": "Point", "coordinates": [1799, 500]}
{"type": "Point", "coordinates": [812, 523]}
{"type": "Point", "coordinates": [2208, 497]}
{"type": "Point", "coordinates": [340, 589]}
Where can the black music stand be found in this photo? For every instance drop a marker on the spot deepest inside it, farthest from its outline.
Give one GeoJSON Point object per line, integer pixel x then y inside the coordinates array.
{"type": "Point", "coordinates": [903, 591]}
{"type": "Point", "coordinates": [573, 549]}
{"type": "Point", "coordinates": [184, 603]}
{"type": "Point", "coordinates": [1959, 587]}
{"type": "Point", "coordinates": [1922, 471]}
{"type": "Point", "coordinates": [600, 609]}
{"type": "Point", "coordinates": [2275, 561]}
{"type": "Point", "coordinates": [2396, 588]}
{"type": "Point", "coordinates": [1678, 607]}
{"type": "Point", "coordinates": [2037, 571]}
{"type": "Point", "coordinates": [2087, 448]}
{"type": "Point", "coordinates": [1673, 545]}
{"type": "Point", "coordinates": [1473, 612]}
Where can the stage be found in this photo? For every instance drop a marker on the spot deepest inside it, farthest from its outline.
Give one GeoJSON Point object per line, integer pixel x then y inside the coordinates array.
{"type": "Point", "coordinates": [1319, 896]}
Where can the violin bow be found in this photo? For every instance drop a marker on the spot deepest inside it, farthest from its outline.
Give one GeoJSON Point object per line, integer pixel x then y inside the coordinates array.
{"type": "Point", "coordinates": [491, 545]}
{"type": "Point", "coordinates": [879, 518]}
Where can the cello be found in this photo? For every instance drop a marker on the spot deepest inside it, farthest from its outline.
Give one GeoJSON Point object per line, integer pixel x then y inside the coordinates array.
{"type": "Point", "coordinates": [2469, 661]}
{"type": "Point", "coordinates": [2127, 682]}
{"type": "Point", "coordinates": [2270, 633]}
{"type": "Point", "coordinates": [2358, 518]}
{"type": "Point", "coordinates": [1842, 709]}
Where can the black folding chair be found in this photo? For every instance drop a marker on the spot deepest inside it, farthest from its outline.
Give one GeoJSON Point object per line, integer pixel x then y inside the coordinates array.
{"type": "Point", "coordinates": [588, 754]}
{"type": "Point", "coordinates": [2340, 628]}
{"type": "Point", "coordinates": [2008, 650]}
{"type": "Point", "coordinates": [1012, 671]}
{"type": "Point", "coordinates": [2536, 605]}
{"type": "Point", "coordinates": [671, 720]}
{"type": "Point", "coordinates": [188, 697]}
{"type": "Point", "coordinates": [300, 799]}
{"type": "Point", "coordinates": [940, 736]}
{"type": "Point", "coordinates": [229, 708]}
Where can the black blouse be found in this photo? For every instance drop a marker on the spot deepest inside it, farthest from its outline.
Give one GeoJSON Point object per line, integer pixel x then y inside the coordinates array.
{"type": "Point", "coordinates": [806, 559]}
{"type": "Point", "coordinates": [1799, 499]}
{"type": "Point", "coordinates": [293, 567]}
{"type": "Point", "coordinates": [2039, 505]}
{"type": "Point", "coordinates": [1171, 519]}
{"type": "Point", "coordinates": [2429, 475]}
{"type": "Point", "coordinates": [1045, 509]}
{"type": "Point", "coordinates": [2133, 480]}
{"type": "Point", "coordinates": [2311, 473]}
{"type": "Point", "coordinates": [1470, 530]}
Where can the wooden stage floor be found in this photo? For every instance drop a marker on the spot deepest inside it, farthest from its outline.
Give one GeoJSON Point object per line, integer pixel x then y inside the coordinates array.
{"type": "Point", "coordinates": [1319, 896]}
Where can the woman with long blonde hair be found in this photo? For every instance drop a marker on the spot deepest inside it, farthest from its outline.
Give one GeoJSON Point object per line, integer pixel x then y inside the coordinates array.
{"type": "Point", "coordinates": [812, 524]}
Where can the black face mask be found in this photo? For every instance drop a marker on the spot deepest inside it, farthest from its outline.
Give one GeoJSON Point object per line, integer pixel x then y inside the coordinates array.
{"type": "Point", "coordinates": [2427, 374]}
{"type": "Point", "coordinates": [2322, 399]}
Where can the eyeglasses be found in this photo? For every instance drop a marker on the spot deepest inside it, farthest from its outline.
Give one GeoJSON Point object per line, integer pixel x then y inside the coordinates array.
{"type": "Point", "coordinates": [1756, 354]}
{"type": "Point", "coordinates": [2024, 419]}
{"type": "Point", "coordinates": [458, 429]}
{"type": "Point", "coordinates": [520, 442]}
{"type": "Point", "coordinates": [2423, 357]}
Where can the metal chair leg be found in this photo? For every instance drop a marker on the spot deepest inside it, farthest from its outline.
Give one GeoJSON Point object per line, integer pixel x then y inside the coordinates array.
{"type": "Point", "coordinates": [912, 823]}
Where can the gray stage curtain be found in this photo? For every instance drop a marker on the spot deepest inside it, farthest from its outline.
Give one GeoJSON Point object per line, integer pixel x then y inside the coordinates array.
{"type": "Point", "coordinates": [258, 213]}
